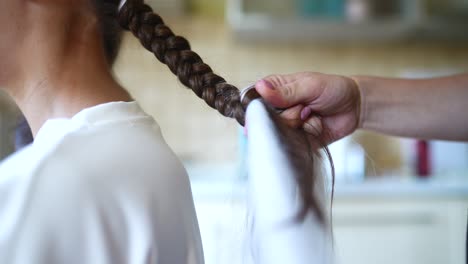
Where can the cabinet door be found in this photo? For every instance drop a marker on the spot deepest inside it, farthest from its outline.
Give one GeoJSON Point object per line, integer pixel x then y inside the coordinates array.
{"type": "Point", "coordinates": [399, 232]}
{"type": "Point", "coordinates": [379, 231]}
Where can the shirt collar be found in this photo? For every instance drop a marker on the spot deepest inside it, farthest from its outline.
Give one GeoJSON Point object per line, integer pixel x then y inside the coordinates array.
{"type": "Point", "coordinates": [54, 129]}
{"type": "Point", "coordinates": [108, 112]}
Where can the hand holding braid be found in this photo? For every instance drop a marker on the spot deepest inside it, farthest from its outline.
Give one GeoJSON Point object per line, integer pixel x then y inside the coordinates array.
{"type": "Point", "coordinates": [175, 52]}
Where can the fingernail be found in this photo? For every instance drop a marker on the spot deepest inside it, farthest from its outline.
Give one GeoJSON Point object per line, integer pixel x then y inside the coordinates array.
{"type": "Point", "coordinates": [267, 84]}
{"type": "Point", "coordinates": [305, 113]}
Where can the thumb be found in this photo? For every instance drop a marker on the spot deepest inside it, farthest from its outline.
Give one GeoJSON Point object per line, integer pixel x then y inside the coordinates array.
{"type": "Point", "coordinates": [284, 91]}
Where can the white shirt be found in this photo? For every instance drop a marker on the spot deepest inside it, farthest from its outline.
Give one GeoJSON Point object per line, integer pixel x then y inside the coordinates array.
{"type": "Point", "coordinates": [102, 187]}
{"type": "Point", "coordinates": [274, 201]}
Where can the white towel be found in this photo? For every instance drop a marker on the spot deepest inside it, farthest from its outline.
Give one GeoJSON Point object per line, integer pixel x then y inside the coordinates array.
{"type": "Point", "coordinates": [274, 201]}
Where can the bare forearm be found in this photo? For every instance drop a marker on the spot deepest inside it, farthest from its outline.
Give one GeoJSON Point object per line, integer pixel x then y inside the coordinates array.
{"type": "Point", "coordinates": [430, 109]}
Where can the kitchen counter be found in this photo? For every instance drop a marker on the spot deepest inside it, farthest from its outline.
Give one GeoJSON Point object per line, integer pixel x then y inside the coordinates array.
{"type": "Point", "coordinates": [403, 188]}
{"type": "Point", "coordinates": [223, 182]}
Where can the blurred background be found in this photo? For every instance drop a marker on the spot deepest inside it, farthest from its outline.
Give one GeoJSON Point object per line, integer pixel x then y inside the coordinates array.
{"type": "Point", "coordinates": [396, 200]}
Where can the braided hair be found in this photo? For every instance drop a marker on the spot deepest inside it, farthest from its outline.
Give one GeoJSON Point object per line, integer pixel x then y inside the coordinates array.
{"type": "Point", "coordinates": [175, 52]}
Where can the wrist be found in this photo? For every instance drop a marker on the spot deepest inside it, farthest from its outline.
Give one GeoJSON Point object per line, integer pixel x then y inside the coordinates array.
{"type": "Point", "coordinates": [361, 106]}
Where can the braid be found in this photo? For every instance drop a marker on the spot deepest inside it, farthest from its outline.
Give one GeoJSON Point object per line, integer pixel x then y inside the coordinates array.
{"type": "Point", "coordinates": [175, 52]}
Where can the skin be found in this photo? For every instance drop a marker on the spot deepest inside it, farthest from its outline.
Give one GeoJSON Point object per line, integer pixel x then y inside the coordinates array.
{"type": "Point", "coordinates": [332, 107]}
{"type": "Point", "coordinates": [52, 62]}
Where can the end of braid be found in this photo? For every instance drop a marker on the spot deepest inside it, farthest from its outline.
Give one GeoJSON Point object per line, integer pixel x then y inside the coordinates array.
{"type": "Point", "coordinates": [176, 53]}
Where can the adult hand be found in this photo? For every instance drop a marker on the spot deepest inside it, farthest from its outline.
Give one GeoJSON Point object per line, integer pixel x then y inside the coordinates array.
{"type": "Point", "coordinates": [326, 106]}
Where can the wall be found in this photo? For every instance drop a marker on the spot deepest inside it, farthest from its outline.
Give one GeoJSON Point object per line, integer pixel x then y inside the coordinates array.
{"type": "Point", "coordinates": [8, 112]}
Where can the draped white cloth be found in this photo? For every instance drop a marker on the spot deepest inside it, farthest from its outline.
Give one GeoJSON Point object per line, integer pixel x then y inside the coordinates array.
{"type": "Point", "coordinates": [274, 201]}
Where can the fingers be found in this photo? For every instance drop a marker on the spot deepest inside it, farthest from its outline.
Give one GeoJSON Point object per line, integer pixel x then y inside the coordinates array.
{"type": "Point", "coordinates": [274, 93]}
{"type": "Point", "coordinates": [313, 126]}
{"type": "Point", "coordinates": [284, 91]}
{"type": "Point", "coordinates": [292, 116]}
{"type": "Point", "coordinates": [325, 106]}
{"type": "Point", "coordinates": [300, 117]}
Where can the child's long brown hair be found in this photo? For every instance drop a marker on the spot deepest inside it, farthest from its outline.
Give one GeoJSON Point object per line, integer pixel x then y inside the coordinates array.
{"type": "Point", "coordinates": [175, 52]}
